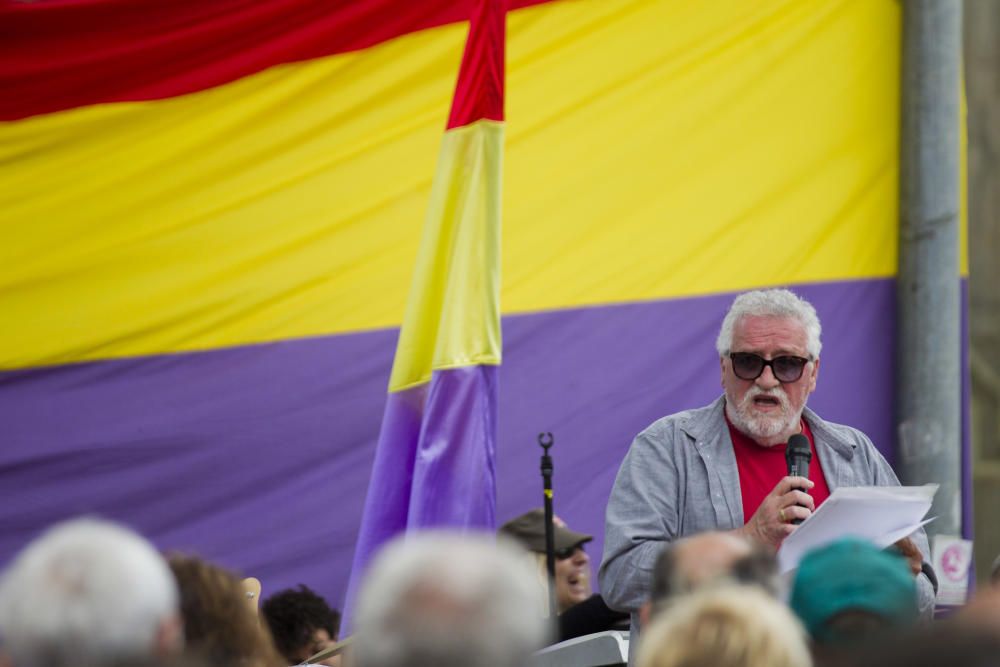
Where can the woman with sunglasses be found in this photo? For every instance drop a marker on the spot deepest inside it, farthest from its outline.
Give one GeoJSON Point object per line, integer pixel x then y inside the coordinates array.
{"type": "Point", "coordinates": [581, 612]}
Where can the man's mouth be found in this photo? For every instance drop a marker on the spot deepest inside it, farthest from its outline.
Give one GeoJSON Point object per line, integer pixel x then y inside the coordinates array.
{"type": "Point", "coordinates": [766, 402]}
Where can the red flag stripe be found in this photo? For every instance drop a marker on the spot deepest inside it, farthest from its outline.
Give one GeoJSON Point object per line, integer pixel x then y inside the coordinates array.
{"type": "Point", "coordinates": [61, 54]}
{"type": "Point", "coordinates": [480, 88]}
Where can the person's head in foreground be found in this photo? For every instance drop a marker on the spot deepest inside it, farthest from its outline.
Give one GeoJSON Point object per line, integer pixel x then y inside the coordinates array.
{"type": "Point", "coordinates": [944, 643]}
{"type": "Point", "coordinates": [982, 611]}
{"type": "Point", "coordinates": [301, 622]}
{"type": "Point", "coordinates": [572, 575]}
{"type": "Point", "coordinates": [707, 559]}
{"type": "Point", "coordinates": [725, 626]}
{"type": "Point", "coordinates": [768, 346]}
{"type": "Point", "coordinates": [850, 591]}
{"type": "Point", "coordinates": [447, 600]}
{"type": "Point", "coordinates": [88, 592]}
{"type": "Point", "coordinates": [218, 624]}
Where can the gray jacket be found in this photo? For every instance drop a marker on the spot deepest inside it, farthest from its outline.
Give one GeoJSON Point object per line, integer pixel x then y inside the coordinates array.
{"type": "Point", "coordinates": [680, 478]}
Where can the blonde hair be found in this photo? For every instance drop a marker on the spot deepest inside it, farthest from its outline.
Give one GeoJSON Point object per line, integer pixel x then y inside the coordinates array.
{"type": "Point", "coordinates": [218, 624]}
{"type": "Point", "coordinates": [541, 570]}
{"type": "Point", "coordinates": [725, 626]}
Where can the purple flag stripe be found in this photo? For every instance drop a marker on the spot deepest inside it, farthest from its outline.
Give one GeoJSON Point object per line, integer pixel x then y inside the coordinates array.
{"type": "Point", "coordinates": [449, 426]}
{"type": "Point", "coordinates": [259, 456]}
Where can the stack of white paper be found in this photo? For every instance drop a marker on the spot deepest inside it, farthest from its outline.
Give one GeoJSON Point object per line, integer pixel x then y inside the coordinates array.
{"type": "Point", "coordinates": [880, 514]}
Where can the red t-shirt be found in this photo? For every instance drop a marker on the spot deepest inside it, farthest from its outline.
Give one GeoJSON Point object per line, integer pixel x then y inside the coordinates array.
{"type": "Point", "coordinates": [761, 468]}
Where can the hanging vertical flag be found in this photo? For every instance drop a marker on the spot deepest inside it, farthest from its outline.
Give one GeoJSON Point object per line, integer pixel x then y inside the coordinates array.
{"type": "Point", "coordinates": [435, 460]}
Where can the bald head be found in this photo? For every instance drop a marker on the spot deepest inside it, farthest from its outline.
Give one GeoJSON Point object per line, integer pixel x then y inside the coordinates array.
{"type": "Point", "coordinates": [694, 562]}
{"type": "Point", "coordinates": [709, 556]}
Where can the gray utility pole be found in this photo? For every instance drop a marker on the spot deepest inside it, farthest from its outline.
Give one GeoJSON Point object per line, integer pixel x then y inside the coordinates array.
{"type": "Point", "coordinates": [928, 374]}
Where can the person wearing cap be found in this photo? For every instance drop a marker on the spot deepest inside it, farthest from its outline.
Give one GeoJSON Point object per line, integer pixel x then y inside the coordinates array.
{"type": "Point", "coordinates": [850, 590]}
{"type": "Point", "coordinates": [581, 612]}
{"type": "Point", "coordinates": [722, 467]}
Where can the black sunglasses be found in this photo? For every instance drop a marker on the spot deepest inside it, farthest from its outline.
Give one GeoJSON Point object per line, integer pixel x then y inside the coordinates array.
{"type": "Point", "coordinates": [563, 554]}
{"type": "Point", "coordinates": [749, 366]}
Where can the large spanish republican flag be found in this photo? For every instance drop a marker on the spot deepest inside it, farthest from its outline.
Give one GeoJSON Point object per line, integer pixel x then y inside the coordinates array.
{"type": "Point", "coordinates": [210, 214]}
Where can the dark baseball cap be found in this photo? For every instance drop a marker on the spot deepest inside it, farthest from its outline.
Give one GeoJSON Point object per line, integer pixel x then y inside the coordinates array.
{"type": "Point", "coordinates": [529, 530]}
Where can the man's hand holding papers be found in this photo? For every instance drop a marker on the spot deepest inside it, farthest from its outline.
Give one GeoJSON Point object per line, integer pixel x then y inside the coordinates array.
{"type": "Point", "coordinates": [881, 514]}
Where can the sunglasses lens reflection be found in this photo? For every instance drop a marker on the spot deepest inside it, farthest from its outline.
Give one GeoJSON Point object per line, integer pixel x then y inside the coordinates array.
{"type": "Point", "coordinates": [747, 366]}
{"type": "Point", "coordinates": [788, 369]}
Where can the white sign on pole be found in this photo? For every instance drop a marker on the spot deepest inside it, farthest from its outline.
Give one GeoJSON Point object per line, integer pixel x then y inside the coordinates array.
{"type": "Point", "coordinates": [952, 557]}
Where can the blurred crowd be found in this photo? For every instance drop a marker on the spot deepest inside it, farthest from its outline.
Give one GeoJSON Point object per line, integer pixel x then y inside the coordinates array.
{"type": "Point", "coordinates": [92, 593]}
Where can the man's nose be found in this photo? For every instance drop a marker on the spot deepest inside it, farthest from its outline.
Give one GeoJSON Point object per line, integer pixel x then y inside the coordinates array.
{"type": "Point", "coordinates": [580, 557]}
{"type": "Point", "coordinates": [766, 380]}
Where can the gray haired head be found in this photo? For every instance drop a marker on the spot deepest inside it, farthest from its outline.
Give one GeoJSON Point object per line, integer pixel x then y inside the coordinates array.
{"type": "Point", "coordinates": [87, 592]}
{"type": "Point", "coordinates": [448, 600]}
{"type": "Point", "coordinates": [771, 303]}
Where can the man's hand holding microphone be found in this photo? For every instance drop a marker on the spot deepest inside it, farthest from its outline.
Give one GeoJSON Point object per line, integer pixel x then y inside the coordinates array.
{"type": "Point", "coordinates": [789, 503]}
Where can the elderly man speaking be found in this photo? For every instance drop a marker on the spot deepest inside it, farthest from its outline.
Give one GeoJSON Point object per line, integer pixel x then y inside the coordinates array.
{"type": "Point", "coordinates": [722, 467]}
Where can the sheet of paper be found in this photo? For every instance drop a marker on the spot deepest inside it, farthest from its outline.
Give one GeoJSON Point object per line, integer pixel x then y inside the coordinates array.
{"type": "Point", "coordinates": [896, 536]}
{"type": "Point", "coordinates": [880, 514]}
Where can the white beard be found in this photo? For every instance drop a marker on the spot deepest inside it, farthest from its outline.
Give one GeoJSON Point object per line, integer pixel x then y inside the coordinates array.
{"type": "Point", "coordinates": [760, 427]}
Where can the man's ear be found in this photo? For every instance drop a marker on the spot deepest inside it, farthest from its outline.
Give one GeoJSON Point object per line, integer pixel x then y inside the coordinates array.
{"type": "Point", "coordinates": [814, 375]}
{"type": "Point", "coordinates": [722, 371]}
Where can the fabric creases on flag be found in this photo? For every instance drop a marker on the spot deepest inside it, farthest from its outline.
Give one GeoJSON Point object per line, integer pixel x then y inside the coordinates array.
{"type": "Point", "coordinates": [435, 459]}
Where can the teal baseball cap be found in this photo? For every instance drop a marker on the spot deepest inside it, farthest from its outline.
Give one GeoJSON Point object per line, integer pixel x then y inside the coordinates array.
{"type": "Point", "coordinates": [852, 575]}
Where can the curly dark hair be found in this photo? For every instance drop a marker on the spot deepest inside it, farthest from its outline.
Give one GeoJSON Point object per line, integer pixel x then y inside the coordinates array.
{"type": "Point", "coordinates": [293, 615]}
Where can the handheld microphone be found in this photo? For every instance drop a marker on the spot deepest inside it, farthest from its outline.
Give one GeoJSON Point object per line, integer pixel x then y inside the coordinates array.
{"type": "Point", "coordinates": [797, 457]}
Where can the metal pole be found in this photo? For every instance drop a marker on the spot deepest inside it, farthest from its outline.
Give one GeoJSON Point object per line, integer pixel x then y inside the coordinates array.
{"type": "Point", "coordinates": [545, 441]}
{"type": "Point", "coordinates": [928, 296]}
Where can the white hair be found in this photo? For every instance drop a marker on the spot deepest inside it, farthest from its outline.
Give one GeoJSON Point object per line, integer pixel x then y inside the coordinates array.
{"type": "Point", "coordinates": [728, 626]}
{"type": "Point", "coordinates": [448, 600]}
{"type": "Point", "coordinates": [87, 591]}
{"type": "Point", "coordinates": [771, 303]}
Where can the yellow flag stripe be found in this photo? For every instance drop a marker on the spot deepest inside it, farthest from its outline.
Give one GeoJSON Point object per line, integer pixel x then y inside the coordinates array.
{"type": "Point", "coordinates": [654, 150]}
{"type": "Point", "coordinates": [453, 314]}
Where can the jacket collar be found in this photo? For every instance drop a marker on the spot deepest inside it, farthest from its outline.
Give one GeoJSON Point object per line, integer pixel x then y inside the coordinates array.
{"type": "Point", "coordinates": [708, 424]}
